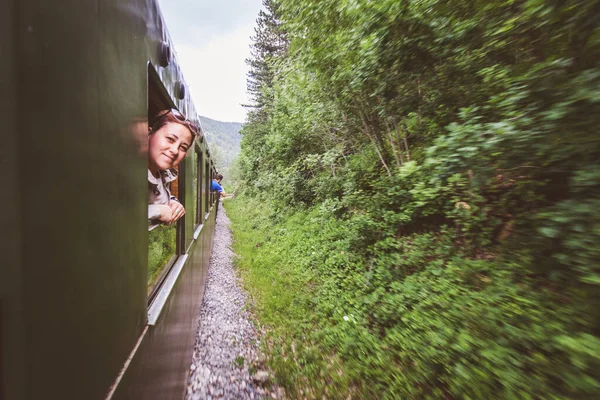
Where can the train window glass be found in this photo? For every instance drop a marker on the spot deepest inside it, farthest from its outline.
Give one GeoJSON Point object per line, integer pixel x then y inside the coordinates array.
{"type": "Point", "coordinates": [198, 184]}
{"type": "Point", "coordinates": [162, 252]}
{"type": "Point", "coordinates": [195, 185]}
{"type": "Point", "coordinates": [211, 196]}
{"type": "Point", "coordinates": [213, 172]}
{"type": "Point", "coordinates": [207, 180]}
{"type": "Point", "coordinates": [180, 195]}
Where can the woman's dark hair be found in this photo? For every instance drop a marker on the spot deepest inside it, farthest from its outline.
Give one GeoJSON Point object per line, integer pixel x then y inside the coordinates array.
{"type": "Point", "coordinates": [163, 117]}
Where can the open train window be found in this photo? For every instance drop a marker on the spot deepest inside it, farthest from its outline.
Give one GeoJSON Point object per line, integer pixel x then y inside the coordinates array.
{"type": "Point", "coordinates": [198, 184]}
{"type": "Point", "coordinates": [207, 181]}
{"type": "Point", "coordinates": [214, 195]}
{"type": "Point", "coordinates": [164, 242]}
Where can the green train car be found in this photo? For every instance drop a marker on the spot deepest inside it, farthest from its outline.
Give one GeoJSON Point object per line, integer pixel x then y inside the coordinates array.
{"type": "Point", "coordinates": [81, 315]}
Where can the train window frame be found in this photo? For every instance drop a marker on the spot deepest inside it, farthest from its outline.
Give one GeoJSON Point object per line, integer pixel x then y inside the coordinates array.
{"type": "Point", "coordinates": [158, 99]}
{"type": "Point", "coordinates": [214, 195]}
{"type": "Point", "coordinates": [208, 181]}
{"type": "Point", "coordinates": [199, 220]}
{"type": "Point", "coordinates": [212, 175]}
{"type": "Point", "coordinates": [181, 249]}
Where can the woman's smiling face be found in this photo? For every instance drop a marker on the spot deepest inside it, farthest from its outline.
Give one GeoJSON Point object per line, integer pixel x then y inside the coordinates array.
{"type": "Point", "coordinates": [167, 146]}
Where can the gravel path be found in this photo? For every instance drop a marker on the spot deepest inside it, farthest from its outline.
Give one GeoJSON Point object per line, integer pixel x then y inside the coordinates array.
{"type": "Point", "coordinates": [226, 362]}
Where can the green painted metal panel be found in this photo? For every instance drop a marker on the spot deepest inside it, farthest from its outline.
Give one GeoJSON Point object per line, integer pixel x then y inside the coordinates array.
{"type": "Point", "coordinates": [73, 289]}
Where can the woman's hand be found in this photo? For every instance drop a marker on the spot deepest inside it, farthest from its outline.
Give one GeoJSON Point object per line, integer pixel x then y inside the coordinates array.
{"type": "Point", "coordinates": [166, 214]}
{"type": "Point", "coordinates": [170, 213]}
{"type": "Point", "coordinates": [177, 211]}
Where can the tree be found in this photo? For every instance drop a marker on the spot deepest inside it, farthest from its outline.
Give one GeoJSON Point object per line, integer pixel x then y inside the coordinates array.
{"type": "Point", "coordinates": [269, 44]}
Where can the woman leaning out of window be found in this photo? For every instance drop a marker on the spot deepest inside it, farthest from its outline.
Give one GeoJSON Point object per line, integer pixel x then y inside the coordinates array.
{"type": "Point", "coordinates": [170, 137]}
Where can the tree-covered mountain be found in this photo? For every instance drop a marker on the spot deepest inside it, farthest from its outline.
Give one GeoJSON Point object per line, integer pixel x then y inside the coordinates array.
{"type": "Point", "coordinates": [224, 141]}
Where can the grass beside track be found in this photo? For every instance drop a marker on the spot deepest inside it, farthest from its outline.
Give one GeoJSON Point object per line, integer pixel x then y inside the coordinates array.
{"type": "Point", "coordinates": [415, 317]}
{"type": "Point", "coordinates": [282, 294]}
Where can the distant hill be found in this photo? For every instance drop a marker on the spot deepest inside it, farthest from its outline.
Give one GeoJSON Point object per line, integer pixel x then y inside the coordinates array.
{"type": "Point", "coordinates": [223, 140]}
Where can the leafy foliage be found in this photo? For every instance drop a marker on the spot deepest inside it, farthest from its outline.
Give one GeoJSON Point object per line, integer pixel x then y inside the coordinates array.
{"type": "Point", "coordinates": [433, 173]}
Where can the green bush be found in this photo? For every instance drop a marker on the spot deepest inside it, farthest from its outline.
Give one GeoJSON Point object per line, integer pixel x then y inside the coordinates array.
{"type": "Point", "coordinates": [408, 317]}
{"type": "Point", "coordinates": [428, 199]}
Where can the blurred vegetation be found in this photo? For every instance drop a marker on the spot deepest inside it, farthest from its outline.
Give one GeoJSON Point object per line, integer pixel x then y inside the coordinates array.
{"type": "Point", "coordinates": [161, 247]}
{"type": "Point", "coordinates": [423, 180]}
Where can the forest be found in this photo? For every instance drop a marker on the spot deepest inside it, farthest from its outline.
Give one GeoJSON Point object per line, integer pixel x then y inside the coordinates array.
{"type": "Point", "coordinates": [416, 214]}
{"type": "Point", "coordinates": [224, 141]}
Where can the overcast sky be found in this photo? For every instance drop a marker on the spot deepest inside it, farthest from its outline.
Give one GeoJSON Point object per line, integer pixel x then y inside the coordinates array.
{"type": "Point", "coordinates": [212, 40]}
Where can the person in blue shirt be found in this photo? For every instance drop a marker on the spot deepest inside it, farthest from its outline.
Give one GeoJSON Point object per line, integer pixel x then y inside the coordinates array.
{"type": "Point", "coordinates": [216, 185]}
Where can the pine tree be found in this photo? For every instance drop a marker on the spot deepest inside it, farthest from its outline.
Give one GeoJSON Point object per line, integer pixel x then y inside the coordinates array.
{"type": "Point", "coordinates": [269, 44]}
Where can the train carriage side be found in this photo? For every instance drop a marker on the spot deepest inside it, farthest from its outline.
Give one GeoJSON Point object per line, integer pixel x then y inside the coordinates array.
{"type": "Point", "coordinates": [79, 82]}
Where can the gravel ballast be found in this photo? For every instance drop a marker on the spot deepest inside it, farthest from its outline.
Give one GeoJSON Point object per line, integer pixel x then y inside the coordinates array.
{"type": "Point", "coordinates": [226, 363]}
